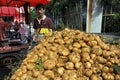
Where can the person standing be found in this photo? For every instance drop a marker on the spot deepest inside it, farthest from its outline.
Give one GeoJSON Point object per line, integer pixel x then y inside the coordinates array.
{"type": "Point", "coordinates": [2, 29]}
{"type": "Point", "coordinates": [24, 31]}
{"type": "Point", "coordinates": [17, 26]}
{"type": "Point", "coordinates": [42, 24]}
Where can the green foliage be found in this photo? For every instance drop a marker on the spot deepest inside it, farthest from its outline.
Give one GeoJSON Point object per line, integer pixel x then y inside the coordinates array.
{"type": "Point", "coordinates": [116, 16]}
{"type": "Point", "coordinates": [109, 2]}
{"type": "Point", "coordinates": [39, 65]}
{"type": "Point", "coordinates": [33, 14]}
{"type": "Point", "coordinates": [61, 26]}
{"type": "Point", "coordinates": [57, 6]}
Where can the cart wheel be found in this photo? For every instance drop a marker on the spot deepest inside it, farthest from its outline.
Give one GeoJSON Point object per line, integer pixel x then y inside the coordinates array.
{"type": "Point", "coordinates": [10, 59]}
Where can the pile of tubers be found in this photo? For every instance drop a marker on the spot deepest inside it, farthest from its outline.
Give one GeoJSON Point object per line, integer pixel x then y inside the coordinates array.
{"type": "Point", "coordinates": [70, 55]}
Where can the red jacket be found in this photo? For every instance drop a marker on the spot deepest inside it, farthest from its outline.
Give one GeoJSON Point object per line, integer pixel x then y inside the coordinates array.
{"type": "Point", "coordinates": [46, 23]}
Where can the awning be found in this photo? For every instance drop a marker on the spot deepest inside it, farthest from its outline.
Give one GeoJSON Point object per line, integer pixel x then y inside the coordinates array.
{"type": "Point", "coordinates": [11, 11]}
{"type": "Point", "coordinates": [20, 3]}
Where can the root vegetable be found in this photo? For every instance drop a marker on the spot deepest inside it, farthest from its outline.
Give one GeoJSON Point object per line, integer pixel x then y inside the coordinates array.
{"type": "Point", "coordinates": [30, 66]}
{"type": "Point", "coordinates": [36, 73]}
{"type": "Point", "coordinates": [94, 77]}
{"type": "Point", "coordinates": [63, 51]}
{"type": "Point", "coordinates": [96, 70]}
{"type": "Point", "coordinates": [77, 45]}
{"type": "Point", "coordinates": [78, 65]}
{"type": "Point", "coordinates": [74, 57]}
{"type": "Point", "coordinates": [88, 72]}
{"type": "Point", "coordinates": [93, 56]}
{"type": "Point", "coordinates": [60, 70]}
{"type": "Point", "coordinates": [69, 65]}
{"type": "Point", "coordinates": [101, 59]}
{"type": "Point", "coordinates": [105, 69]}
{"type": "Point", "coordinates": [85, 57]}
{"type": "Point", "coordinates": [23, 77]}
{"type": "Point", "coordinates": [60, 62]}
{"type": "Point", "coordinates": [108, 76]}
{"type": "Point", "coordinates": [70, 55]}
{"type": "Point", "coordinates": [60, 41]}
{"type": "Point", "coordinates": [49, 74]}
{"type": "Point", "coordinates": [42, 77]}
{"type": "Point", "coordinates": [57, 78]}
{"type": "Point", "coordinates": [87, 65]}
{"type": "Point", "coordinates": [76, 50]}
{"type": "Point", "coordinates": [86, 49]}
{"type": "Point", "coordinates": [49, 64]}
{"type": "Point", "coordinates": [69, 75]}
{"type": "Point", "coordinates": [97, 51]}
{"type": "Point", "coordinates": [117, 77]}
{"type": "Point", "coordinates": [19, 73]}
{"type": "Point", "coordinates": [92, 43]}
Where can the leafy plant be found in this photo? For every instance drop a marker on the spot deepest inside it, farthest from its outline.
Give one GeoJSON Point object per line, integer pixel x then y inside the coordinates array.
{"type": "Point", "coordinates": [39, 65]}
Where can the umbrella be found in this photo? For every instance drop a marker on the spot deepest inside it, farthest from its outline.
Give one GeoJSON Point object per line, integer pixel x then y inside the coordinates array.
{"type": "Point", "coordinates": [11, 11]}
{"type": "Point", "coordinates": [19, 3]}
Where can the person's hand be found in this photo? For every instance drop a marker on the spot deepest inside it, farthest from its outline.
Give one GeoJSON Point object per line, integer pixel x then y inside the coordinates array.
{"type": "Point", "coordinates": [35, 32]}
{"type": "Point", "coordinates": [50, 32]}
{"type": "Point", "coordinates": [34, 37]}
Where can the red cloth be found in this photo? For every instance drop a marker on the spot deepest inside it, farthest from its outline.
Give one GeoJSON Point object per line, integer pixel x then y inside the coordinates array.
{"type": "Point", "coordinates": [22, 2]}
{"type": "Point", "coordinates": [10, 11]}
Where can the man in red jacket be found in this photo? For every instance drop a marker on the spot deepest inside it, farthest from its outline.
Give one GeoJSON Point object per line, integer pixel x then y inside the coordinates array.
{"type": "Point", "coordinates": [42, 24]}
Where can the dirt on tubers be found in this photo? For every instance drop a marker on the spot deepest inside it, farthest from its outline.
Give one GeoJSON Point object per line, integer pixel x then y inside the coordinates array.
{"type": "Point", "coordinates": [70, 55]}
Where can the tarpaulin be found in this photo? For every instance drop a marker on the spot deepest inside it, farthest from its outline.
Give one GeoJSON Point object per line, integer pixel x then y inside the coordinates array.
{"type": "Point", "coordinates": [11, 11]}
{"type": "Point", "coordinates": [19, 3]}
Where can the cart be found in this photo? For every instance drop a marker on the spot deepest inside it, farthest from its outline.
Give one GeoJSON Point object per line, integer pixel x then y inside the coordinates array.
{"type": "Point", "coordinates": [10, 58]}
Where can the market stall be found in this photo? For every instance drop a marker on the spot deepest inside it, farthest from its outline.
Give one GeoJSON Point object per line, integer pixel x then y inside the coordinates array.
{"type": "Point", "coordinates": [12, 50]}
{"type": "Point", "coordinates": [14, 12]}
{"type": "Point", "coordinates": [10, 11]}
{"type": "Point", "coordinates": [10, 8]}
